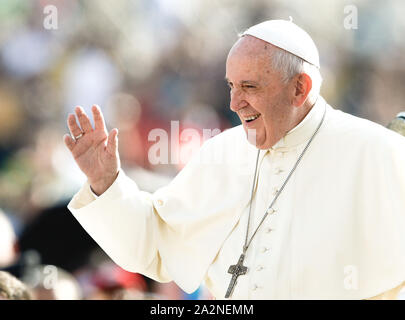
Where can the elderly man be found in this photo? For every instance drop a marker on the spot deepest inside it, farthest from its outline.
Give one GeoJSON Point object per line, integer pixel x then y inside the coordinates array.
{"type": "Point", "coordinates": [303, 201]}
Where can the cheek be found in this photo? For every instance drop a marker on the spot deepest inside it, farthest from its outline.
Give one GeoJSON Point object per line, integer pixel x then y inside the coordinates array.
{"type": "Point", "coordinates": [274, 107]}
{"type": "Point", "coordinates": [259, 103]}
{"type": "Point", "coordinates": [262, 101]}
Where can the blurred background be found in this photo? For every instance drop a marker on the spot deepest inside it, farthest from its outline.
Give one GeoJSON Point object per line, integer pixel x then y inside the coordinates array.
{"type": "Point", "coordinates": [147, 63]}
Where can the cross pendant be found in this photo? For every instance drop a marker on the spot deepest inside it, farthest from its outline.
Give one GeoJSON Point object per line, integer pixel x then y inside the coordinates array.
{"type": "Point", "coordinates": [236, 270]}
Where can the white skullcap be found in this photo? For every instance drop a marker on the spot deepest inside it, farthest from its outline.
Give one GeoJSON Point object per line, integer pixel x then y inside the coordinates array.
{"type": "Point", "coordinates": [288, 36]}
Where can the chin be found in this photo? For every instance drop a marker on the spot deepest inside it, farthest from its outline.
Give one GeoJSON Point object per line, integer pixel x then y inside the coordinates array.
{"type": "Point", "coordinates": [262, 146]}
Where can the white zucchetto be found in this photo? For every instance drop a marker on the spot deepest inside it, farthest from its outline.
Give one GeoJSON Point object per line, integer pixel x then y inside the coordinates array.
{"type": "Point", "coordinates": [288, 36]}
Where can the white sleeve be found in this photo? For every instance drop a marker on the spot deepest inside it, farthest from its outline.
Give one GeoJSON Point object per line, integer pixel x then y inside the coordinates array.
{"type": "Point", "coordinates": [176, 232]}
{"type": "Point", "coordinates": [123, 223]}
{"type": "Point", "coordinates": [92, 192]}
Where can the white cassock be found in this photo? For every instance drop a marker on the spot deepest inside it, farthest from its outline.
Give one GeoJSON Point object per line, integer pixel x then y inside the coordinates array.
{"type": "Point", "coordinates": [338, 231]}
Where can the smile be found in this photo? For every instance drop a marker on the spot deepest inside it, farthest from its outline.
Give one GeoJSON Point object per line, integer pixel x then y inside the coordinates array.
{"type": "Point", "coordinates": [252, 118]}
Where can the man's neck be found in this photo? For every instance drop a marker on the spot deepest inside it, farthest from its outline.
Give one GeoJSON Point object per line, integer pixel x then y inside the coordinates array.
{"type": "Point", "coordinates": [302, 112]}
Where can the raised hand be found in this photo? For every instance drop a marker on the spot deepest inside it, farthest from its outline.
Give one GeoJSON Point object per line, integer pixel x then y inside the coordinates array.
{"type": "Point", "coordinates": [94, 150]}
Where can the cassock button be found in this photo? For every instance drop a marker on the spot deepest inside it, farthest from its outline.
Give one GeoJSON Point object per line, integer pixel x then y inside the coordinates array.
{"type": "Point", "coordinates": [271, 211]}
{"type": "Point", "coordinates": [275, 191]}
{"type": "Point", "coordinates": [259, 268]}
{"type": "Point", "coordinates": [278, 170]}
{"type": "Point", "coordinates": [255, 287]}
{"type": "Point", "coordinates": [160, 202]}
{"type": "Point", "coordinates": [264, 249]}
{"type": "Point", "coordinates": [268, 230]}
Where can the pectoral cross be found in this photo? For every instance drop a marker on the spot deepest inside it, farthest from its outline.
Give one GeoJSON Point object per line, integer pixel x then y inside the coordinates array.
{"type": "Point", "coordinates": [236, 270]}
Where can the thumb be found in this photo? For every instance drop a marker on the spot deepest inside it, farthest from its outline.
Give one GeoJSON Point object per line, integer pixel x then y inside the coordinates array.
{"type": "Point", "coordinates": [112, 142]}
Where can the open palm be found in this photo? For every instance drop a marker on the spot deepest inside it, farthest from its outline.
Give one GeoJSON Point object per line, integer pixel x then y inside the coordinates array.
{"type": "Point", "coordinates": [94, 150]}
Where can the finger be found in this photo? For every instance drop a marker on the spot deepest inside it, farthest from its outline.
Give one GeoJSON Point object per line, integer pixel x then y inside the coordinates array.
{"type": "Point", "coordinates": [83, 119]}
{"type": "Point", "coordinates": [112, 142]}
{"type": "Point", "coordinates": [73, 126]}
{"type": "Point", "coordinates": [69, 142]}
{"type": "Point", "coordinates": [99, 122]}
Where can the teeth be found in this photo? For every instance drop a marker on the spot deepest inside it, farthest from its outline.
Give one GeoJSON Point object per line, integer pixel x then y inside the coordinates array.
{"type": "Point", "coordinates": [252, 117]}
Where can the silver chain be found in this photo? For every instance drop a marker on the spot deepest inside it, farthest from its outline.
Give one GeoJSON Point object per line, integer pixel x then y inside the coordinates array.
{"type": "Point", "coordinates": [247, 243]}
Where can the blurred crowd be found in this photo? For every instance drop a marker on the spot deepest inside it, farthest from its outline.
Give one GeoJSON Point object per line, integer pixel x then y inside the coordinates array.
{"type": "Point", "coordinates": [146, 63]}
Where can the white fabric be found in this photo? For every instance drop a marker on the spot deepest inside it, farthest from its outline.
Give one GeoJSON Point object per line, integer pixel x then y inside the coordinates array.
{"type": "Point", "coordinates": [340, 218]}
{"type": "Point", "coordinates": [288, 36]}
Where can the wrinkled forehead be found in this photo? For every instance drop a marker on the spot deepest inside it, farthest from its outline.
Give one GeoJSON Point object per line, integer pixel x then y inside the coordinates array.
{"type": "Point", "coordinates": [249, 56]}
{"type": "Point", "coordinates": [250, 46]}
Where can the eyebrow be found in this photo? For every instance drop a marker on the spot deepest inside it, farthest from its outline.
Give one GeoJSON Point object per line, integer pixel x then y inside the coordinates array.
{"type": "Point", "coordinates": [244, 81]}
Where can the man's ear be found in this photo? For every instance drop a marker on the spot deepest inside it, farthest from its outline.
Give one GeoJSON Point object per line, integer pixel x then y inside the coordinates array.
{"type": "Point", "coordinates": [302, 87]}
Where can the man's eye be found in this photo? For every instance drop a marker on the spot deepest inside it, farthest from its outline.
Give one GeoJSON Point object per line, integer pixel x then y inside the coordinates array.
{"type": "Point", "coordinates": [249, 86]}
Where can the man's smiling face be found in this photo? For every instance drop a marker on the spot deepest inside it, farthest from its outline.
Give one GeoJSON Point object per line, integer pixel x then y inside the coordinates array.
{"type": "Point", "coordinates": [258, 95]}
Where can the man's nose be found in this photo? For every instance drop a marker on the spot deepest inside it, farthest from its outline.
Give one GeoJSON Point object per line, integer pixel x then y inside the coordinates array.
{"type": "Point", "coordinates": [237, 101]}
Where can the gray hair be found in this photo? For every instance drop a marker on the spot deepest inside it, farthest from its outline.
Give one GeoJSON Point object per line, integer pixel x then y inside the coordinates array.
{"type": "Point", "coordinates": [290, 65]}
